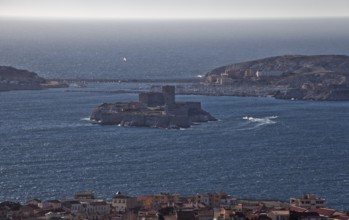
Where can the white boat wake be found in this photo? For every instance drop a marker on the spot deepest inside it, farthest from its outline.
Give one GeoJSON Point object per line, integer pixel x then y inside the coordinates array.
{"type": "Point", "coordinates": [85, 119]}
{"type": "Point", "coordinates": [253, 123]}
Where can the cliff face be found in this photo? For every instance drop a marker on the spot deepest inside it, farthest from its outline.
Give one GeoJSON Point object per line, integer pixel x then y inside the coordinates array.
{"type": "Point", "coordinates": [322, 77]}
{"type": "Point", "coordinates": [16, 79]}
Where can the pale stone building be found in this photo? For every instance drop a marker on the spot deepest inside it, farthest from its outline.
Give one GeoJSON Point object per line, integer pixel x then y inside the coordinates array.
{"type": "Point", "coordinates": [308, 201]}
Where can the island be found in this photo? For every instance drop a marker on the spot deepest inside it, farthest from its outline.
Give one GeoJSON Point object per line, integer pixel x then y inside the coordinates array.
{"type": "Point", "coordinates": [318, 77]}
{"type": "Point", "coordinates": [17, 79]}
{"type": "Point", "coordinates": [153, 109]}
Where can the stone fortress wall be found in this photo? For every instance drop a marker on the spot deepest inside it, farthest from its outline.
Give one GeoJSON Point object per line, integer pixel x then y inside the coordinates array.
{"type": "Point", "coordinates": [153, 109]}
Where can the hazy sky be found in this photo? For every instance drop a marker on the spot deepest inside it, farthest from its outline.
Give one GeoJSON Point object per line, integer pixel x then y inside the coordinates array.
{"type": "Point", "coordinates": [171, 9]}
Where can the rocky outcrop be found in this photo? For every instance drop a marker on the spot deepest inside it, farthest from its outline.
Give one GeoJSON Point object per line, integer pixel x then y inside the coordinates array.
{"type": "Point", "coordinates": [321, 77]}
{"type": "Point", "coordinates": [156, 110]}
{"type": "Point", "coordinates": [16, 79]}
{"type": "Point", "coordinates": [138, 119]}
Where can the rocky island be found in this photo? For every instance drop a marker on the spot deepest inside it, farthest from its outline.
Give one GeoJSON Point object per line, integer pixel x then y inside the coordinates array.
{"type": "Point", "coordinates": [16, 79]}
{"type": "Point", "coordinates": [320, 77]}
{"type": "Point", "coordinates": [153, 109]}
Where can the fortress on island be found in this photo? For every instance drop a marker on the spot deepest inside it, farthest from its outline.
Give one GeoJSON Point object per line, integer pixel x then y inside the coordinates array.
{"type": "Point", "coordinates": [153, 109]}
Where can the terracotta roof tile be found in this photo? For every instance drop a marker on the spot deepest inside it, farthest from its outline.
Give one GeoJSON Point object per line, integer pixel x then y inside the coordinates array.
{"type": "Point", "coordinates": [325, 211]}
{"type": "Point", "coordinates": [280, 212]}
{"type": "Point", "coordinates": [297, 209]}
{"type": "Point", "coordinates": [339, 214]}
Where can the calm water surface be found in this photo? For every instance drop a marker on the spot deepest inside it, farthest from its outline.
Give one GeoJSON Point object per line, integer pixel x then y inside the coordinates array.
{"type": "Point", "coordinates": [260, 148]}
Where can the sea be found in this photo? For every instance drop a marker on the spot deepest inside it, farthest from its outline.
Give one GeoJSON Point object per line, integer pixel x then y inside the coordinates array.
{"type": "Point", "coordinates": [260, 147]}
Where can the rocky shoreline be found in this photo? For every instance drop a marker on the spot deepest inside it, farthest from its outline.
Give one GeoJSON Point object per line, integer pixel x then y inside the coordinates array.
{"type": "Point", "coordinates": [320, 77]}
{"type": "Point", "coordinates": [17, 79]}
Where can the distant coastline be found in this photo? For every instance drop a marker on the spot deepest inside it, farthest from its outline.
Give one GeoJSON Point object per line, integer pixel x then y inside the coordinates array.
{"type": "Point", "coordinates": [293, 77]}
{"type": "Point", "coordinates": [18, 79]}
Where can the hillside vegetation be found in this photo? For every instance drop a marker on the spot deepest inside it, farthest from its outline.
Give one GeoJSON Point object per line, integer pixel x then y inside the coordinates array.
{"type": "Point", "coordinates": [320, 77]}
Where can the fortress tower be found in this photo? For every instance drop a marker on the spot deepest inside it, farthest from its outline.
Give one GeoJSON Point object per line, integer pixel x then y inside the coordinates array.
{"type": "Point", "coordinates": [169, 95]}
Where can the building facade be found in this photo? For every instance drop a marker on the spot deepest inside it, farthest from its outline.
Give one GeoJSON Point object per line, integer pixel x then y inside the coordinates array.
{"type": "Point", "coordinates": [308, 201]}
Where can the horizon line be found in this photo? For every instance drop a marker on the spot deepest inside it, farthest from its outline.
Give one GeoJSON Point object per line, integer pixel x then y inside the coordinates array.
{"type": "Point", "coordinates": [57, 18]}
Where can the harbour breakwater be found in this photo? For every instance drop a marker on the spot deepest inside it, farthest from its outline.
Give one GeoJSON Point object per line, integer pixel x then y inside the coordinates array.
{"type": "Point", "coordinates": [185, 88]}
{"type": "Point", "coordinates": [239, 89]}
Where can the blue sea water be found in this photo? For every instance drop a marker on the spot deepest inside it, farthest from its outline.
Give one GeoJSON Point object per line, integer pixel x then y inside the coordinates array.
{"type": "Point", "coordinates": [160, 49]}
{"type": "Point", "coordinates": [259, 148]}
